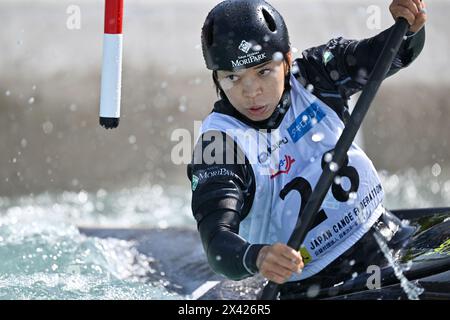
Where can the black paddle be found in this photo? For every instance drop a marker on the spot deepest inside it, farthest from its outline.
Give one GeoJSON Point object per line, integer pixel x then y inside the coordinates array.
{"type": "Point", "coordinates": [378, 74]}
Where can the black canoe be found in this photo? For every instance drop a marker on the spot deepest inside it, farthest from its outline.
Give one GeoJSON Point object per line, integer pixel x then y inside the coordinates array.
{"type": "Point", "coordinates": [179, 255]}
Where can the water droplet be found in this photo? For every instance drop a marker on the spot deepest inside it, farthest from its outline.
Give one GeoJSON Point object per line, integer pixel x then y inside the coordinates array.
{"type": "Point", "coordinates": [362, 73]}
{"type": "Point", "coordinates": [169, 119]}
{"type": "Point", "coordinates": [334, 167]}
{"type": "Point", "coordinates": [353, 195]}
{"type": "Point", "coordinates": [313, 291]}
{"type": "Point", "coordinates": [317, 137]}
{"type": "Point", "coordinates": [54, 267]}
{"type": "Point", "coordinates": [334, 75]}
{"type": "Point", "coordinates": [82, 196]}
{"type": "Point", "coordinates": [277, 56]}
{"type": "Point", "coordinates": [73, 107]}
{"type": "Point", "coordinates": [310, 87]}
{"type": "Point", "coordinates": [328, 157]}
{"type": "Point", "coordinates": [23, 143]}
{"type": "Point", "coordinates": [435, 187]}
{"type": "Point", "coordinates": [352, 263]}
{"type": "Point", "coordinates": [436, 169]}
{"type": "Point", "coordinates": [257, 47]}
{"type": "Point", "coordinates": [101, 193]}
{"type": "Point", "coordinates": [164, 84]}
{"type": "Point", "coordinates": [182, 108]}
{"type": "Point", "coordinates": [132, 139]}
{"type": "Point", "coordinates": [33, 87]}
{"type": "Point", "coordinates": [31, 100]}
{"type": "Point", "coordinates": [446, 188]}
{"type": "Point", "coordinates": [8, 93]}
{"type": "Point", "coordinates": [14, 160]}
{"type": "Point", "coordinates": [337, 180]}
{"type": "Point", "coordinates": [75, 182]}
{"type": "Point", "coordinates": [218, 258]}
{"type": "Point", "coordinates": [47, 127]}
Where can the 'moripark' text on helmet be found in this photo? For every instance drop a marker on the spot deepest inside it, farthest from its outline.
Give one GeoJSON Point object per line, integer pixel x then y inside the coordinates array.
{"type": "Point", "coordinates": [239, 34]}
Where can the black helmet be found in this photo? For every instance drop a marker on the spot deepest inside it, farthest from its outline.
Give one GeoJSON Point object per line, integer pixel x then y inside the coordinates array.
{"type": "Point", "coordinates": [239, 34]}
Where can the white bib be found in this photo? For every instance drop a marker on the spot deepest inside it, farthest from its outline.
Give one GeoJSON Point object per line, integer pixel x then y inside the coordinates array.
{"type": "Point", "coordinates": [287, 164]}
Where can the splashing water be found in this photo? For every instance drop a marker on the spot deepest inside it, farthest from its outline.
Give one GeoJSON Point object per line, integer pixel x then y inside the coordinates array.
{"type": "Point", "coordinates": [44, 256]}
{"type": "Point", "coordinates": [412, 290]}
{"type": "Point", "coordinates": [146, 206]}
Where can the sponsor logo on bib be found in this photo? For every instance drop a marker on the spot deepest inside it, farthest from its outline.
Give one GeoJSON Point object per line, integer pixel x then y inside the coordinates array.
{"type": "Point", "coordinates": [305, 121]}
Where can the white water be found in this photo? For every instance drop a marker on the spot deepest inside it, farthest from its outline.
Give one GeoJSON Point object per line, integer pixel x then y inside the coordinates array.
{"type": "Point", "coordinates": [44, 256]}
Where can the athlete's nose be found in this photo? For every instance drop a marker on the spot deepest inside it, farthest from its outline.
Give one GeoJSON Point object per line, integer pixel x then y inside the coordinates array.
{"type": "Point", "coordinates": [251, 88]}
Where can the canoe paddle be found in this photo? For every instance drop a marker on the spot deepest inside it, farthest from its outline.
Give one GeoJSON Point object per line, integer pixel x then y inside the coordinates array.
{"type": "Point", "coordinates": [378, 74]}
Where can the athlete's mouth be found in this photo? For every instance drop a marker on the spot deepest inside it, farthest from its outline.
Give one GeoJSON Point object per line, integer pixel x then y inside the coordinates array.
{"type": "Point", "coordinates": [257, 110]}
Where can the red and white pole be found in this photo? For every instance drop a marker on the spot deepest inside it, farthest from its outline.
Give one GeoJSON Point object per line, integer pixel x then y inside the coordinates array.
{"type": "Point", "coordinates": [112, 65]}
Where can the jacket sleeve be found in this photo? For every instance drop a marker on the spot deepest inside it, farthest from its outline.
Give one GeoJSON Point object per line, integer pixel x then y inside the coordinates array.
{"type": "Point", "coordinates": [341, 67]}
{"type": "Point", "coordinates": [221, 198]}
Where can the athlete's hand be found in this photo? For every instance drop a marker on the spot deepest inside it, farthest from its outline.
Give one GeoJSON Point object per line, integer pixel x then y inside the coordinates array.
{"type": "Point", "coordinates": [278, 262]}
{"type": "Point", "coordinates": [412, 10]}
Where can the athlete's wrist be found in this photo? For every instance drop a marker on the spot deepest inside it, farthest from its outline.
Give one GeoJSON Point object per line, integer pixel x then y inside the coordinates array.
{"type": "Point", "coordinates": [251, 256]}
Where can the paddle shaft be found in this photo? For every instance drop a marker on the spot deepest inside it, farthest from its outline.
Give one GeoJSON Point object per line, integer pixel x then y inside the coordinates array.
{"type": "Point", "coordinates": [378, 74]}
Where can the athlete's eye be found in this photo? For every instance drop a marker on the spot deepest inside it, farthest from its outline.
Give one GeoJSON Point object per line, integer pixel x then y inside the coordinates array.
{"type": "Point", "coordinates": [232, 77]}
{"type": "Point", "coordinates": [265, 72]}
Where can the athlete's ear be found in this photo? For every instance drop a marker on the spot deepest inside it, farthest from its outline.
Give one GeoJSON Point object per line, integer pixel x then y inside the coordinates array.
{"type": "Point", "coordinates": [288, 61]}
